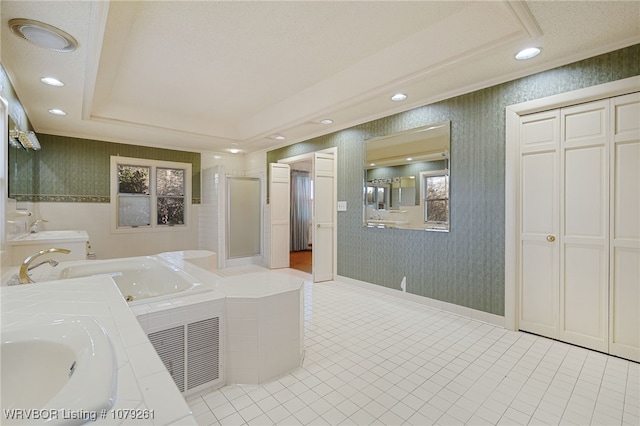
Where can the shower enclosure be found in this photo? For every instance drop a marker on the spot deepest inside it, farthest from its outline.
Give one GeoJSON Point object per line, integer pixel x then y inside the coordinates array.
{"type": "Point", "coordinates": [243, 217]}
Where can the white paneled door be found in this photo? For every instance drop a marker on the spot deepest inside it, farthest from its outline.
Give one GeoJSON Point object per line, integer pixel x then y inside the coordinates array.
{"type": "Point", "coordinates": [624, 289]}
{"type": "Point", "coordinates": [579, 225]}
{"type": "Point", "coordinates": [584, 225]}
{"type": "Point", "coordinates": [324, 216]}
{"type": "Point", "coordinates": [279, 200]}
{"type": "Point", "coordinates": [539, 223]}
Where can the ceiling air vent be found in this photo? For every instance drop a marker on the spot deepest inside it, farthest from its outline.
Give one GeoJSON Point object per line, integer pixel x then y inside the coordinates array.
{"type": "Point", "coordinates": [43, 35]}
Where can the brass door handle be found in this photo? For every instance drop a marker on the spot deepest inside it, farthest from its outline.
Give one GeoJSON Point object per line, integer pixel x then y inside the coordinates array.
{"type": "Point", "coordinates": [551, 238]}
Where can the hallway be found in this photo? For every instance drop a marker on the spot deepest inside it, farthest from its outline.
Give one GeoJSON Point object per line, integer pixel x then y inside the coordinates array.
{"type": "Point", "coordinates": [301, 260]}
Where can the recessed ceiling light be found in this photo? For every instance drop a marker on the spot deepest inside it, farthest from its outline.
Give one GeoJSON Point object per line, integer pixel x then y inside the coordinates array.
{"type": "Point", "coordinates": [52, 81]}
{"type": "Point", "coordinates": [528, 53]}
{"type": "Point", "coordinates": [399, 97]}
{"type": "Point", "coordinates": [234, 150]}
{"type": "Point", "coordinates": [409, 159]}
{"type": "Point", "coordinates": [56, 111]}
{"type": "Point", "coordinates": [326, 121]}
{"type": "Point", "coordinates": [43, 35]}
{"type": "Point", "coordinates": [279, 137]}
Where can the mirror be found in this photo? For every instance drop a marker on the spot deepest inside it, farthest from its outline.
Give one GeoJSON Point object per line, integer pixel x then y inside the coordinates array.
{"type": "Point", "coordinates": [407, 179]}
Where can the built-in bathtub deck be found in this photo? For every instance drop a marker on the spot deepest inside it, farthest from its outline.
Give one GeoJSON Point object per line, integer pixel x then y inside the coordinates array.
{"type": "Point", "coordinates": [265, 326]}
{"type": "Point", "coordinates": [260, 313]}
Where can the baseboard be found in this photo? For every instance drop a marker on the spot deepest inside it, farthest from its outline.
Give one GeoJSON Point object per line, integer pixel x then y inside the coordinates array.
{"type": "Point", "coordinates": [474, 314]}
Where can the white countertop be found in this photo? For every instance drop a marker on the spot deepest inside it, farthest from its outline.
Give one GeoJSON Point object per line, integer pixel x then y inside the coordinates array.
{"type": "Point", "coordinates": [259, 284]}
{"type": "Point", "coordinates": [50, 237]}
{"type": "Point", "coordinates": [143, 381]}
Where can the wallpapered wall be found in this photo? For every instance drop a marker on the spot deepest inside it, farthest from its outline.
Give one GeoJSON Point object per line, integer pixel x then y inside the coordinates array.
{"type": "Point", "coordinates": [77, 170]}
{"type": "Point", "coordinates": [466, 265]}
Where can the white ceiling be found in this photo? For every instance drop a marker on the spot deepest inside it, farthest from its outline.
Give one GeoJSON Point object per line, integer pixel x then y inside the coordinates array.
{"type": "Point", "coordinates": [215, 75]}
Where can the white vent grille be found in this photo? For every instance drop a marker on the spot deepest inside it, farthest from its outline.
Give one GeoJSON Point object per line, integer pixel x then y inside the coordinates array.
{"type": "Point", "coordinates": [190, 352]}
{"type": "Point", "coordinates": [203, 353]}
{"type": "Point", "coordinates": [169, 344]}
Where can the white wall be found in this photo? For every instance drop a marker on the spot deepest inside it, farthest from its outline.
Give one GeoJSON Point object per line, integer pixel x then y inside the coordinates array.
{"type": "Point", "coordinates": [95, 219]}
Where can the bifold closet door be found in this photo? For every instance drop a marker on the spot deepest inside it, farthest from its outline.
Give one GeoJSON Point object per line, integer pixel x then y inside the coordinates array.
{"type": "Point", "coordinates": [538, 223]}
{"type": "Point", "coordinates": [625, 228]}
{"type": "Point", "coordinates": [584, 225]}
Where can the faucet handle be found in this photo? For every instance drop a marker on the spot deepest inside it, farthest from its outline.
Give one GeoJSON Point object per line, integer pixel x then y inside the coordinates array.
{"type": "Point", "coordinates": [34, 226]}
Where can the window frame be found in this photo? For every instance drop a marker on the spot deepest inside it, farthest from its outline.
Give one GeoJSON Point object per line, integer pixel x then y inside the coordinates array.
{"type": "Point", "coordinates": [153, 165]}
{"type": "Point", "coordinates": [423, 197]}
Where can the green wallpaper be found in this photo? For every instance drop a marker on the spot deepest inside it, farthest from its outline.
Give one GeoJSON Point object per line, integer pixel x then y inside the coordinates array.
{"type": "Point", "coordinates": [77, 170]}
{"type": "Point", "coordinates": [466, 265]}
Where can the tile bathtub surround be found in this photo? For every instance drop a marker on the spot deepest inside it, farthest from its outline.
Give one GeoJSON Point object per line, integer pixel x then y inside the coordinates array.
{"type": "Point", "coordinates": [376, 359]}
{"type": "Point", "coordinates": [143, 382]}
{"type": "Point", "coordinates": [264, 326]}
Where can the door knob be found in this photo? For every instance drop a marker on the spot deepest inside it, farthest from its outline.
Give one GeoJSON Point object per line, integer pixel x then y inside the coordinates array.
{"type": "Point", "coordinates": [551, 238]}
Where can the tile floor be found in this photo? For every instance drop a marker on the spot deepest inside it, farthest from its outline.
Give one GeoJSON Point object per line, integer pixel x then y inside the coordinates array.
{"type": "Point", "coordinates": [379, 360]}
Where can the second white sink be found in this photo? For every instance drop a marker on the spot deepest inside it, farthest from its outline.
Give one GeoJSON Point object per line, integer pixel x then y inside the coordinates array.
{"type": "Point", "coordinates": [65, 368]}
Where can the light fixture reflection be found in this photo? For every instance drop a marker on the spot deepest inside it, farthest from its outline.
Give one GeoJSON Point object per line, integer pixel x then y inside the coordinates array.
{"type": "Point", "coordinates": [52, 81]}
{"type": "Point", "coordinates": [528, 53]}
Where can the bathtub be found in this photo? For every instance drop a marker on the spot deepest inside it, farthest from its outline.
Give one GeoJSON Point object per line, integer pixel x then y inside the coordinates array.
{"type": "Point", "coordinates": [138, 278]}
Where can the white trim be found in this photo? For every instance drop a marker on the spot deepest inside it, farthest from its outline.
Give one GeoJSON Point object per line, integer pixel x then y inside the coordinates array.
{"type": "Point", "coordinates": [423, 190]}
{"type": "Point", "coordinates": [512, 135]}
{"type": "Point", "coordinates": [471, 313]}
{"type": "Point", "coordinates": [153, 164]}
{"type": "Point", "coordinates": [4, 179]}
{"type": "Point", "coordinates": [309, 156]}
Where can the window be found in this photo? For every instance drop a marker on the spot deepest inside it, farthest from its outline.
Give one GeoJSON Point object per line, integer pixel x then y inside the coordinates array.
{"type": "Point", "coordinates": [436, 197]}
{"type": "Point", "coordinates": [149, 194]}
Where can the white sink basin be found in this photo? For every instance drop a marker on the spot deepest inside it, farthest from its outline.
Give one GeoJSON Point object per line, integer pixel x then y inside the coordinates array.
{"type": "Point", "coordinates": [64, 370]}
{"type": "Point", "coordinates": [386, 223]}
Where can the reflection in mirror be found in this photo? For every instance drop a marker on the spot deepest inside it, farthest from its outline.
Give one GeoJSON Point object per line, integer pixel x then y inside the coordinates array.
{"type": "Point", "coordinates": [407, 179]}
{"type": "Point", "coordinates": [20, 162]}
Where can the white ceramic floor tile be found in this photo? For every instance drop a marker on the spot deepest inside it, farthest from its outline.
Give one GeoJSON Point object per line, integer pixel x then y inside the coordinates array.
{"type": "Point", "coordinates": [372, 359]}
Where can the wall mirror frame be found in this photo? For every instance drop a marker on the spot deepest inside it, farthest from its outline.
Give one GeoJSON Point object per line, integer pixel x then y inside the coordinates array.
{"type": "Point", "coordinates": [406, 179]}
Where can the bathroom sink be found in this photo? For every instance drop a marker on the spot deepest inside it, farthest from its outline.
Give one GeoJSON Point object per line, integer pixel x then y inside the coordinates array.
{"type": "Point", "coordinates": [33, 372]}
{"type": "Point", "coordinates": [386, 223]}
{"type": "Point", "coordinates": [60, 371]}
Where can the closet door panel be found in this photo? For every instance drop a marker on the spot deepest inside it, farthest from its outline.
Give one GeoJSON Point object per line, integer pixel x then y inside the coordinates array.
{"type": "Point", "coordinates": [584, 209]}
{"type": "Point", "coordinates": [585, 316]}
{"type": "Point", "coordinates": [539, 189]}
{"type": "Point", "coordinates": [625, 303]}
{"type": "Point", "coordinates": [625, 228]}
{"type": "Point", "coordinates": [539, 292]}
{"type": "Point", "coordinates": [626, 203]}
{"type": "Point", "coordinates": [586, 203]}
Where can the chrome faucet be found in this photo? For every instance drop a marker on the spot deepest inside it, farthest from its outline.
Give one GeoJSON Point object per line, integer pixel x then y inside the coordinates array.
{"type": "Point", "coordinates": [24, 277]}
{"type": "Point", "coordinates": [35, 225]}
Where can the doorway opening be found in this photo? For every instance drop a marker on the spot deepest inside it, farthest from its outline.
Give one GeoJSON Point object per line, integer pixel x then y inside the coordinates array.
{"type": "Point", "coordinates": [301, 215]}
{"type": "Point", "coordinates": [323, 208]}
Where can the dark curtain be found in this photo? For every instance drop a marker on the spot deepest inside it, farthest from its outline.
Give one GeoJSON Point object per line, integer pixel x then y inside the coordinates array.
{"type": "Point", "coordinates": [300, 210]}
